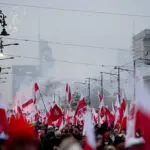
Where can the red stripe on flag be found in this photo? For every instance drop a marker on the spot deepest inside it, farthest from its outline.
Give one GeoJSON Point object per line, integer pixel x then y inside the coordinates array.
{"type": "Point", "coordinates": [27, 103]}
{"type": "Point", "coordinates": [36, 87]}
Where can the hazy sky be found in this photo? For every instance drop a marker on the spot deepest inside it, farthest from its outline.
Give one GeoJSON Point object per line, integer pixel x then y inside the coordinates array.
{"type": "Point", "coordinates": [104, 30]}
{"type": "Point", "coordinates": [108, 31]}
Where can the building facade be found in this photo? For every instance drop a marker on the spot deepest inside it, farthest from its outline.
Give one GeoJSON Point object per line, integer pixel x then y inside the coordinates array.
{"type": "Point", "coordinates": [141, 49]}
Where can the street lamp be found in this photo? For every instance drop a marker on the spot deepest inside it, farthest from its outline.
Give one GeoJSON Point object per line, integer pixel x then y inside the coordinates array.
{"type": "Point", "coordinates": [4, 45]}
{"type": "Point", "coordinates": [3, 24]}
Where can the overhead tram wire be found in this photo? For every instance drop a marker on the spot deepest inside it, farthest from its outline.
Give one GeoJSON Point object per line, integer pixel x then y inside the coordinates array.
{"type": "Point", "coordinates": [64, 61]}
{"type": "Point", "coordinates": [74, 45]}
{"type": "Point", "coordinates": [75, 10]}
{"type": "Point", "coordinates": [102, 48]}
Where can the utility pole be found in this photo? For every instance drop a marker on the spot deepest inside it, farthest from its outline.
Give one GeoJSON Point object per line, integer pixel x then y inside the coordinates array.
{"type": "Point", "coordinates": [134, 75]}
{"type": "Point", "coordinates": [54, 97]}
{"type": "Point", "coordinates": [113, 74]}
{"type": "Point", "coordinates": [118, 79]}
{"type": "Point", "coordinates": [102, 83]}
{"type": "Point", "coordinates": [89, 87]}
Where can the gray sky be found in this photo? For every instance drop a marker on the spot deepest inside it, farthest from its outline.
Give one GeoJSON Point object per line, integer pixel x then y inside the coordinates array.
{"type": "Point", "coordinates": [79, 28]}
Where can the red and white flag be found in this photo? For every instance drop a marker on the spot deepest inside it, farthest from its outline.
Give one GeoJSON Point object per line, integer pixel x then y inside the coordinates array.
{"type": "Point", "coordinates": [139, 117]}
{"type": "Point", "coordinates": [81, 105]}
{"type": "Point", "coordinates": [101, 100]}
{"type": "Point", "coordinates": [55, 113]}
{"type": "Point", "coordinates": [118, 118]}
{"type": "Point", "coordinates": [88, 131]}
{"type": "Point", "coordinates": [124, 119]}
{"type": "Point", "coordinates": [35, 90]}
{"type": "Point", "coordinates": [27, 103]}
{"type": "Point", "coordinates": [68, 92]}
{"type": "Point", "coordinates": [143, 110]}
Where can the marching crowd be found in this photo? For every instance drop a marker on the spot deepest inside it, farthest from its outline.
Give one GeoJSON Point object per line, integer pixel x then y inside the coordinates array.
{"type": "Point", "coordinates": [23, 136]}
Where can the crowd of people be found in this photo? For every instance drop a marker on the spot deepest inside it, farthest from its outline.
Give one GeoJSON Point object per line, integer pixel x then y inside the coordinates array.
{"type": "Point", "coordinates": [71, 137]}
{"type": "Point", "coordinates": [24, 136]}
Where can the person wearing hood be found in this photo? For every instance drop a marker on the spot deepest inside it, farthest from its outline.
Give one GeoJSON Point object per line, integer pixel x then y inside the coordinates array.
{"type": "Point", "coordinates": [22, 135]}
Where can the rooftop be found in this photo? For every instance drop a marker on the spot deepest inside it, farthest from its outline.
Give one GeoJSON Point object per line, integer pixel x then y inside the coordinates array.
{"type": "Point", "coordinates": [142, 34]}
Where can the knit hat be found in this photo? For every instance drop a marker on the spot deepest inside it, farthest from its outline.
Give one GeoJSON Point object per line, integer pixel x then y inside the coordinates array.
{"type": "Point", "coordinates": [19, 130]}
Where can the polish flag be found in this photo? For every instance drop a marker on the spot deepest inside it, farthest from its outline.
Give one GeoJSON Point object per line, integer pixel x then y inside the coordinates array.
{"type": "Point", "coordinates": [101, 99]}
{"type": "Point", "coordinates": [88, 131]}
{"type": "Point", "coordinates": [113, 109]}
{"type": "Point", "coordinates": [117, 106]}
{"type": "Point", "coordinates": [124, 119]}
{"type": "Point", "coordinates": [81, 105]}
{"type": "Point", "coordinates": [123, 104]}
{"type": "Point", "coordinates": [35, 90]}
{"type": "Point", "coordinates": [27, 103]}
{"type": "Point", "coordinates": [101, 105]}
{"type": "Point", "coordinates": [68, 92]}
{"type": "Point", "coordinates": [59, 121]}
{"type": "Point", "coordinates": [143, 109]}
{"type": "Point", "coordinates": [139, 116]}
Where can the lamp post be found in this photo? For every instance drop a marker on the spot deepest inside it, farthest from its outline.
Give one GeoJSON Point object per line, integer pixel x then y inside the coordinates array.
{"type": "Point", "coordinates": [3, 24]}
{"type": "Point", "coordinates": [4, 45]}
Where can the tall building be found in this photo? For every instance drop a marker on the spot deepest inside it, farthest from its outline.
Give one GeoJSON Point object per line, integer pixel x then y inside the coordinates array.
{"type": "Point", "coordinates": [141, 46]}
{"type": "Point", "coordinates": [25, 74]}
{"type": "Point", "coordinates": [141, 49]}
{"type": "Point", "coordinates": [46, 57]}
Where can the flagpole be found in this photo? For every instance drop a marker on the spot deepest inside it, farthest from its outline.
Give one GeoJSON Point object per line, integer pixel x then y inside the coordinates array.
{"type": "Point", "coordinates": [42, 99]}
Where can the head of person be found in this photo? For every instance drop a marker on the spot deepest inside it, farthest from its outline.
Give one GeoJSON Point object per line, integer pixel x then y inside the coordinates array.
{"type": "Point", "coordinates": [70, 144]}
{"type": "Point", "coordinates": [99, 140]}
{"type": "Point", "coordinates": [50, 129]}
{"type": "Point", "coordinates": [22, 136]}
{"type": "Point", "coordinates": [110, 147]}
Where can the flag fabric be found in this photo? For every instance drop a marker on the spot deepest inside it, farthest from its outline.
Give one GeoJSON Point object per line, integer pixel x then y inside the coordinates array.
{"type": "Point", "coordinates": [35, 90]}
{"type": "Point", "coordinates": [113, 109]}
{"type": "Point", "coordinates": [88, 131]}
{"type": "Point", "coordinates": [81, 105]}
{"type": "Point", "coordinates": [26, 104]}
{"type": "Point", "coordinates": [3, 122]}
{"type": "Point", "coordinates": [19, 110]}
{"type": "Point", "coordinates": [68, 92]}
{"type": "Point", "coordinates": [100, 97]}
{"type": "Point", "coordinates": [55, 113]}
{"type": "Point", "coordinates": [143, 109]}
{"type": "Point", "coordinates": [67, 87]}
{"type": "Point", "coordinates": [123, 104]}
{"type": "Point", "coordinates": [124, 119]}
{"type": "Point", "coordinates": [139, 111]}
{"type": "Point", "coordinates": [118, 114]}
{"type": "Point", "coordinates": [59, 121]}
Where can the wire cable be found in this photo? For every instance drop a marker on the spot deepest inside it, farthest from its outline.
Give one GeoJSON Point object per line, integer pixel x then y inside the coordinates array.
{"type": "Point", "coordinates": [76, 10]}
{"type": "Point", "coordinates": [63, 61]}
{"type": "Point", "coordinates": [102, 48]}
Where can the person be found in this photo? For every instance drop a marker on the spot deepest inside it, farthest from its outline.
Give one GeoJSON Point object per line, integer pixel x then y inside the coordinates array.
{"type": "Point", "coordinates": [99, 142]}
{"type": "Point", "coordinates": [49, 139]}
{"type": "Point", "coordinates": [110, 147]}
{"type": "Point", "coordinates": [22, 135]}
{"type": "Point", "coordinates": [70, 144]}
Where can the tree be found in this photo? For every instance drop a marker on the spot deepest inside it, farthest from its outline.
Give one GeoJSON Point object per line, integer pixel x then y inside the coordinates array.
{"type": "Point", "coordinates": [75, 98]}
{"type": "Point", "coordinates": [49, 87]}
